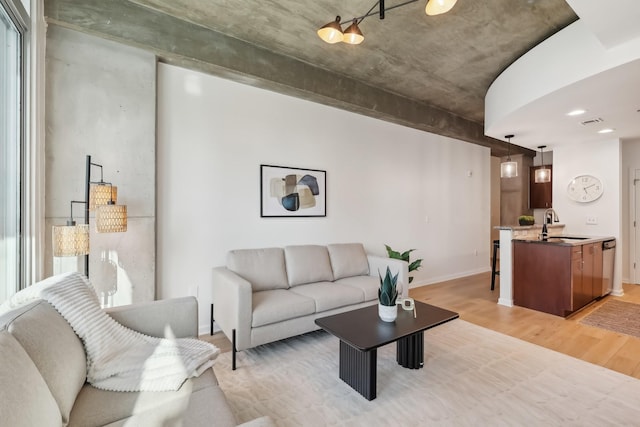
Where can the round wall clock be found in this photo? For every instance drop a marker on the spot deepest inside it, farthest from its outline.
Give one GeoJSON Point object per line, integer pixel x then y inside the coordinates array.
{"type": "Point", "coordinates": [584, 188]}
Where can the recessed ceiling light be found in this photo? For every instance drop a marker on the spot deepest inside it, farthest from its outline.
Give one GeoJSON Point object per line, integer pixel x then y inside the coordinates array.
{"type": "Point", "coordinates": [606, 130]}
{"type": "Point", "coordinates": [576, 112]}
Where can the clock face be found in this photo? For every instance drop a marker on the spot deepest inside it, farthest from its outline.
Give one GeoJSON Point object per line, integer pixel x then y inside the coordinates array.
{"type": "Point", "coordinates": [584, 188]}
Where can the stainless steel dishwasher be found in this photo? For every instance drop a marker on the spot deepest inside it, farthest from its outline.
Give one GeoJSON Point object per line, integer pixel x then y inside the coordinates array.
{"type": "Point", "coordinates": [608, 257]}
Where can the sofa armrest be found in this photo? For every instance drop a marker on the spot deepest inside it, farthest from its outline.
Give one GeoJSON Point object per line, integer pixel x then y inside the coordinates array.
{"type": "Point", "coordinates": [154, 318]}
{"type": "Point", "coordinates": [397, 266]}
{"type": "Point", "coordinates": [233, 305]}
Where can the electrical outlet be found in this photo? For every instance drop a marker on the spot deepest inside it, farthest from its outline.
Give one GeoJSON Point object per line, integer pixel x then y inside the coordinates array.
{"type": "Point", "coordinates": [592, 220]}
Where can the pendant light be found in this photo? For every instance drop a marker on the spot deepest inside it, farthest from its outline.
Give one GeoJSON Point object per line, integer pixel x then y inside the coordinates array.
{"type": "Point", "coordinates": [508, 169]}
{"type": "Point", "coordinates": [332, 32]}
{"type": "Point", "coordinates": [353, 35]}
{"type": "Point", "coordinates": [437, 7]}
{"type": "Point", "coordinates": [542, 174]}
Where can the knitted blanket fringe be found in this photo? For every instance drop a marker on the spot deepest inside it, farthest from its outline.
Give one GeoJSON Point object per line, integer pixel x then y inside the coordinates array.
{"type": "Point", "coordinates": [119, 358]}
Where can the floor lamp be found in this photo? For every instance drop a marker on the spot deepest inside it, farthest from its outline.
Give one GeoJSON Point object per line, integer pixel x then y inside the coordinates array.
{"type": "Point", "coordinates": [101, 196]}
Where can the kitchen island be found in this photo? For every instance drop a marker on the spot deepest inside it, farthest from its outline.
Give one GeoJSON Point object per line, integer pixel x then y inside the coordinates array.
{"type": "Point", "coordinates": [507, 234]}
{"type": "Point", "coordinates": [559, 275]}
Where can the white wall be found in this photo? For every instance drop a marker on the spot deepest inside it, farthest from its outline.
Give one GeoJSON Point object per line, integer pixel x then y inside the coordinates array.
{"type": "Point", "coordinates": [603, 160]}
{"type": "Point", "coordinates": [385, 183]}
{"type": "Point", "coordinates": [630, 162]}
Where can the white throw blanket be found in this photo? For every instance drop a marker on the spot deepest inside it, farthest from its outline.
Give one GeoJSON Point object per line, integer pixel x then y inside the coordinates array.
{"type": "Point", "coordinates": [118, 358]}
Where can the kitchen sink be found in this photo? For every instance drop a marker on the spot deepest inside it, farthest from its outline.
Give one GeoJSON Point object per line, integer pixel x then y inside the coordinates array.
{"type": "Point", "coordinates": [567, 239]}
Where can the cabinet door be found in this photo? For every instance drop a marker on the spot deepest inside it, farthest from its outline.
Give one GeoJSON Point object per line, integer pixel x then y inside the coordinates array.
{"type": "Point", "coordinates": [576, 278]}
{"type": "Point", "coordinates": [540, 195]}
{"type": "Point", "coordinates": [597, 270]}
{"type": "Point", "coordinates": [587, 273]}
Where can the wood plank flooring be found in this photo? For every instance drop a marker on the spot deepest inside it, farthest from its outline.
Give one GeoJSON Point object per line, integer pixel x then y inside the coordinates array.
{"type": "Point", "coordinates": [472, 298]}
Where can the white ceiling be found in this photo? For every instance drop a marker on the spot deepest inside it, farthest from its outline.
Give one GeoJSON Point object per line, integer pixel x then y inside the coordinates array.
{"type": "Point", "coordinates": [612, 95]}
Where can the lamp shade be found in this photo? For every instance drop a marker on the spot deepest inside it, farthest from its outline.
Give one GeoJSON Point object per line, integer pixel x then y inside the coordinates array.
{"type": "Point", "coordinates": [101, 194]}
{"type": "Point", "coordinates": [542, 175]}
{"type": "Point", "coordinates": [70, 240]}
{"type": "Point", "coordinates": [508, 169]}
{"type": "Point", "coordinates": [111, 218]}
{"type": "Point", "coordinates": [332, 32]}
{"type": "Point", "coordinates": [353, 35]}
{"type": "Point", "coordinates": [437, 7]}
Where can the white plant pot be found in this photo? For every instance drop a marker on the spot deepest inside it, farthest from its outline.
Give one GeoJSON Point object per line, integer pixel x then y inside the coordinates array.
{"type": "Point", "coordinates": [387, 313]}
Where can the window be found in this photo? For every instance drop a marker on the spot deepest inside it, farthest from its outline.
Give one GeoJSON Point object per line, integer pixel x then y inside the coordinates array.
{"type": "Point", "coordinates": [12, 137]}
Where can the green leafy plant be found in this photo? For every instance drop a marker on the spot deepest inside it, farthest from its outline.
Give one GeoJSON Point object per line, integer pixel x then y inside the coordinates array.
{"type": "Point", "coordinates": [388, 291]}
{"type": "Point", "coordinates": [404, 256]}
{"type": "Point", "coordinates": [526, 220]}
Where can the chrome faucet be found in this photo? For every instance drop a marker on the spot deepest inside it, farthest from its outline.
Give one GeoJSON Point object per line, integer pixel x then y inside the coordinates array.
{"type": "Point", "coordinates": [548, 216]}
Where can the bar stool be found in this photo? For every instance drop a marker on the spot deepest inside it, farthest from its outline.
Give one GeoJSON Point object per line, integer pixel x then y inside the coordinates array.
{"type": "Point", "coordinates": [494, 273]}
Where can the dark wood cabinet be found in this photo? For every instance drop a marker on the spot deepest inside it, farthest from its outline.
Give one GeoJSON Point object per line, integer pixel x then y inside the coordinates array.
{"type": "Point", "coordinates": [540, 194]}
{"type": "Point", "coordinates": [556, 279]}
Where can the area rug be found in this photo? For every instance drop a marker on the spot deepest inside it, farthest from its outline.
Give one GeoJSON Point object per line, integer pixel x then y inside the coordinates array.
{"type": "Point", "coordinates": [472, 377]}
{"type": "Point", "coordinates": [617, 316]}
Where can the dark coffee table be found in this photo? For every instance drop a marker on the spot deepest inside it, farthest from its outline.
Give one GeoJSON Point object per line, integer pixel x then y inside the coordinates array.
{"type": "Point", "coordinates": [361, 332]}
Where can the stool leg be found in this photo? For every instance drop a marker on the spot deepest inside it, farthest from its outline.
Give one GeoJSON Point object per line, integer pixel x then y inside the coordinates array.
{"type": "Point", "coordinates": [493, 268]}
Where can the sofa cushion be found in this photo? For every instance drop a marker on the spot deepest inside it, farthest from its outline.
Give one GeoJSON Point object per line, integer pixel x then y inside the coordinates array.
{"type": "Point", "coordinates": [369, 285]}
{"type": "Point", "coordinates": [54, 348]}
{"type": "Point", "coordinates": [307, 264]}
{"type": "Point", "coordinates": [348, 260]}
{"type": "Point", "coordinates": [199, 396]}
{"type": "Point", "coordinates": [263, 268]}
{"type": "Point", "coordinates": [278, 305]}
{"type": "Point", "coordinates": [25, 399]}
{"type": "Point", "coordinates": [329, 295]}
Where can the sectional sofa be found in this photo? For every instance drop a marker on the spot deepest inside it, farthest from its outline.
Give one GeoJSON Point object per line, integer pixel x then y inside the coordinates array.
{"type": "Point", "coordinates": [265, 295]}
{"type": "Point", "coordinates": [43, 371]}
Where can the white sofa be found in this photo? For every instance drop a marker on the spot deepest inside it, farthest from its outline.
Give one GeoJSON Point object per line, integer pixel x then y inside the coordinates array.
{"type": "Point", "coordinates": [265, 295]}
{"type": "Point", "coordinates": [43, 372]}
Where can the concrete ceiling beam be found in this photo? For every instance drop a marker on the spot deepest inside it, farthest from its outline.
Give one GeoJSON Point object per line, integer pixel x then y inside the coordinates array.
{"type": "Point", "coordinates": [179, 42]}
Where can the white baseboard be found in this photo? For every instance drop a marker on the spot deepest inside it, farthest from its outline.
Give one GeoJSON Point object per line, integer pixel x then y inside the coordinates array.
{"type": "Point", "coordinates": [448, 277]}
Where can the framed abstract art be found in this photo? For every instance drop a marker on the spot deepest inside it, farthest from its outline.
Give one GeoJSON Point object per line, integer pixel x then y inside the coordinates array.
{"type": "Point", "coordinates": [292, 192]}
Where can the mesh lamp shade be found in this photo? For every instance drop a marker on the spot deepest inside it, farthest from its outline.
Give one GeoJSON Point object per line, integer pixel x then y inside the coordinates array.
{"type": "Point", "coordinates": [101, 194]}
{"type": "Point", "coordinates": [70, 240]}
{"type": "Point", "coordinates": [508, 169]}
{"type": "Point", "coordinates": [111, 218]}
{"type": "Point", "coordinates": [542, 175]}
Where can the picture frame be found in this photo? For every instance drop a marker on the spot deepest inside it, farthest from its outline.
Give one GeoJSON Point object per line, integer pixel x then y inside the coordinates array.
{"type": "Point", "coordinates": [292, 192]}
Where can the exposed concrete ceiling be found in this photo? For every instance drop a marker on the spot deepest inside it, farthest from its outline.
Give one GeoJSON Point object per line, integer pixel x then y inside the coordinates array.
{"type": "Point", "coordinates": [427, 72]}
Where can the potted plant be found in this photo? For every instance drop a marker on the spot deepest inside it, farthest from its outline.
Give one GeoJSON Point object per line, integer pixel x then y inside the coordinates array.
{"type": "Point", "coordinates": [404, 256]}
{"type": "Point", "coordinates": [526, 220]}
{"type": "Point", "coordinates": [387, 295]}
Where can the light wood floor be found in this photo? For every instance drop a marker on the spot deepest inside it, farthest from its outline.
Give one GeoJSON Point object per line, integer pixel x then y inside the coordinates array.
{"type": "Point", "coordinates": [472, 298]}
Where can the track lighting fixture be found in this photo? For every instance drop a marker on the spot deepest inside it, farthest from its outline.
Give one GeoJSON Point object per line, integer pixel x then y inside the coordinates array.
{"type": "Point", "coordinates": [332, 32]}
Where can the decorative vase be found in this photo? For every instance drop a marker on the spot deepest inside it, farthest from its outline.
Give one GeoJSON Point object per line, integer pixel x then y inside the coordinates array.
{"type": "Point", "coordinates": [387, 313]}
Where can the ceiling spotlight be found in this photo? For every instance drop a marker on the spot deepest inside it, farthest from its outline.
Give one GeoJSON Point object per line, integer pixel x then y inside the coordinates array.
{"type": "Point", "coordinates": [437, 7]}
{"type": "Point", "coordinates": [577, 112]}
{"type": "Point", "coordinates": [606, 130]}
{"type": "Point", "coordinates": [331, 32]}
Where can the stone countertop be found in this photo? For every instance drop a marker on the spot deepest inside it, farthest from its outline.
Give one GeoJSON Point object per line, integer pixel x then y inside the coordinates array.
{"type": "Point", "coordinates": [527, 227]}
{"type": "Point", "coordinates": [566, 240]}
